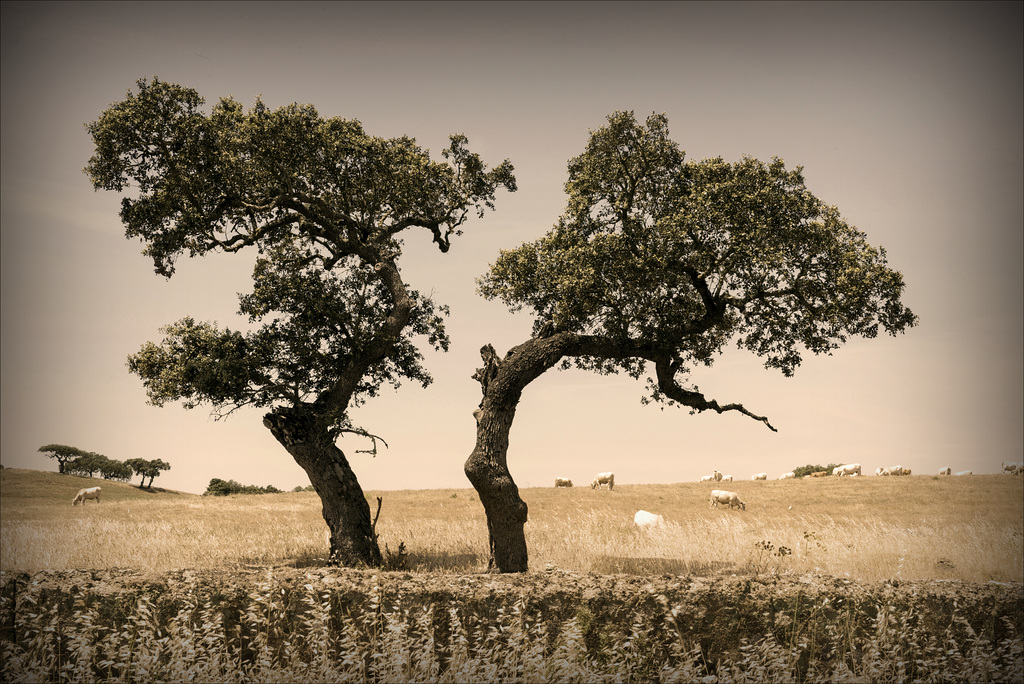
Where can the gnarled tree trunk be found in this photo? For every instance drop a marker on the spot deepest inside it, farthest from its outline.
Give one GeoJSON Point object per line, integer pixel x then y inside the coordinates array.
{"type": "Point", "coordinates": [503, 381]}
{"type": "Point", "coordinates": [345, 509]}
{"type": "Point", "coordinates": [506, 512]}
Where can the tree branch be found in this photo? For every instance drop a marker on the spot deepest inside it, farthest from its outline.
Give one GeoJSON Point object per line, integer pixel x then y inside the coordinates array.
{"type": "Point", "coordinates": [670, 388]}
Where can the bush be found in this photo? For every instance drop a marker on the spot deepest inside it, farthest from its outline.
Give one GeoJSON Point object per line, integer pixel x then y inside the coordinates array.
{"type": "Point", "coordinates": [219, 487]}
{"type": "Point", "coordinates": [803, 471]}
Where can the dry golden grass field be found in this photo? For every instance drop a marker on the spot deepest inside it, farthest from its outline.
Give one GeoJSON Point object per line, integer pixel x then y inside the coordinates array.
{"type": "Point", "coordinates": [818, 580]}
{"type": "Point", "coordinates": [872, 528]}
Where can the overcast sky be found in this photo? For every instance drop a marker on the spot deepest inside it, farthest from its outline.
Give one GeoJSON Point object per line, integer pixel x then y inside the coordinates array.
{"type": "Point", "coordinates": [908, 117]}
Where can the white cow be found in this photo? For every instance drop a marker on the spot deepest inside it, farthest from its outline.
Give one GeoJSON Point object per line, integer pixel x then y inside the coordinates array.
{"type": "Point", "coordinates": [759, 476]}
{"type": "Point", "coordinates": [648, 520]}
{"type": "Point", "coordinates": [847, 470]}
{"type": "Point", "coordinates": [787, 476]}
{"type": "Point", "coordinates": [1013, 467]}
{"type": "Point", "coordinates": [965, 472]}
{"type": "Point", "coordinates": [83, 494]}
{"type": "Point", "coordinates": [603, 479]}
{"type": "Point", "coordinates": [726, 478]}
{"type": "Point", "coordinates": [945, 471]}
{"type": "Point", "coordinates": [707, 478]}
{"type": "Point", "coordinates": [883, 472]}
{"type": "Point", "coordinates": [732, 499]}
{"type": "Point", "coordinates": [563, 482]}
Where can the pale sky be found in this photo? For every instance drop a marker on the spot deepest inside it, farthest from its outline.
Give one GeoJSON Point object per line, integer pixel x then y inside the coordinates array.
{"type": "Point", "coordinates": [908, 117]}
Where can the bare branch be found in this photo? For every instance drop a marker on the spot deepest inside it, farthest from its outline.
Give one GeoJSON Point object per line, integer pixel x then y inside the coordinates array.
{"type": "Point", "coordinates": [373, 525]}
{"type": "Point", "coordinates": [695, 400]}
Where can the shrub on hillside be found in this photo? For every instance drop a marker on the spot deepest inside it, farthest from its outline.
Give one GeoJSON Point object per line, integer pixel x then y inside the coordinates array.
{"type": "Point", "coordinates": [219, 487]}
{"type": "Point", "coordinates": [803, 471]}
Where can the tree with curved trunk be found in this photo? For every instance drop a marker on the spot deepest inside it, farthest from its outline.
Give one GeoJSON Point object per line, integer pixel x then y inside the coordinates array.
{"type": "Point", "coordinates": [656, 264]}
{"type": "Point", "coordinates": [63, 453]}
{"type": "Point", "coordinates": [324, 205]}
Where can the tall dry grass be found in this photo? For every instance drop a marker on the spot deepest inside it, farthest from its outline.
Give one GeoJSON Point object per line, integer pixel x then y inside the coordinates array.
{"type": "Point", "coordinates": [917, 527]}
{"type": "Point", "coordinates": [286, 633]}
{"type": "Point", "coordinates": [864, 528]}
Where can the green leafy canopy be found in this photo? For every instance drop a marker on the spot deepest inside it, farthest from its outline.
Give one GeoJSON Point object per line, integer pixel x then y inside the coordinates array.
{"type": "Point", "coordinates": [231, 179]}
{"type": "Point", "coordinates": [318, 322]}
{"type": "Point", "coordinates": [323, 203]}
{"type": "Point", "coordinates": [674, 259]}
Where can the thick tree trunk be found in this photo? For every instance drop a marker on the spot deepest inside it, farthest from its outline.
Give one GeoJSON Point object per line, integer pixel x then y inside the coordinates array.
{"type": "Point", "coordinates": [487, 469]}
{"type": "Point", "coordinates": [503, 381]}
{"type": "Point", "coordinates": [345, 508]}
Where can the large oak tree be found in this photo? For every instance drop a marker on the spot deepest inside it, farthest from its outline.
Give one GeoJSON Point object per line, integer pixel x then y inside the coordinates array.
{"type": "Point", "coordinates": [655, 266]}
{"type": "Point", "coordinates": [324, 205]}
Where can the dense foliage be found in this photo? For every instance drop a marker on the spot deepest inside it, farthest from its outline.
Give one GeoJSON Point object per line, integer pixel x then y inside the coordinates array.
{"type": "Point", "coordinates": [147, 468]}
{"type": "Point", "coordinates": [324, 203]}
{"type": "Point", "coordinates": [74, 461]}
{"type": "Point", "coordinates": [815, 468]}
{"type": "Point", "coordinates": [219, 487]}
{"type": "Point", "coordinates": [63, 453]}
{"type": "Point", "coordinates": [671, 260]}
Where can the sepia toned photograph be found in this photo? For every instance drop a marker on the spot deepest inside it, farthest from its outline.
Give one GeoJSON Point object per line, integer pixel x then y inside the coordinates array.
{"type": "Point", "coordinates": [512, 341]}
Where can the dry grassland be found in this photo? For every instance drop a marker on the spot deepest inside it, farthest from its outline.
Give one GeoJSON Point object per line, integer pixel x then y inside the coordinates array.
{"type": "Point", "coordinates": [867, 529]}
{"type": "Point", "coordinates": [240, 615]}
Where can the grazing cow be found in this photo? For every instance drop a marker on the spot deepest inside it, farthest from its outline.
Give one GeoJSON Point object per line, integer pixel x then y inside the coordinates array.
{"type": "Point", "coordinates": [563, 482]}
{"type": "Point", "coordinates": [945, 471]}
{"type": "Point", "coordinates": [759, 476]}
{"type": "Point", "coordinates": [603, 479]}
{"type": "Point", "coordinates": [786, 476]}
{"type": "Point", "coordinates": [732, 499]}
{"type": "Point", "coordinates": [707, 478]}
{"type": "Point", "coordinates": [83, 494]}
{"type": "Point", "coordinates": [965, 472]}
{"type": "Point", "coordinates": [847, 470]}
{"type": "Point", "coordinates": [648, 520]}
{"type": "Point", "coordinates": [726, 478]}
{"type": "Point", "coordinates": [1013, 467]}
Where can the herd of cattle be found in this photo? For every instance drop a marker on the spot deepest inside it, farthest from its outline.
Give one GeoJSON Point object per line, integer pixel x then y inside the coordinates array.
{"type": "Point", "coordinates": [646, 519]}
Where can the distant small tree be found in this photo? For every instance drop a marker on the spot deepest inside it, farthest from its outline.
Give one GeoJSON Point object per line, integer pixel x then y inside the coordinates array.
{"type": "Point", "coordinates": [112, 469]}
{"type": "Point", "coordinates": [138, 466]}
{"type": "Point", "coordinates": [147, 468]}
{"type": "Point", "coordinates": [63, 453]}
{"type": "Point", "coordinates": [87, 464]}
{"type": "Point", "coordinates": [156, 466]}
